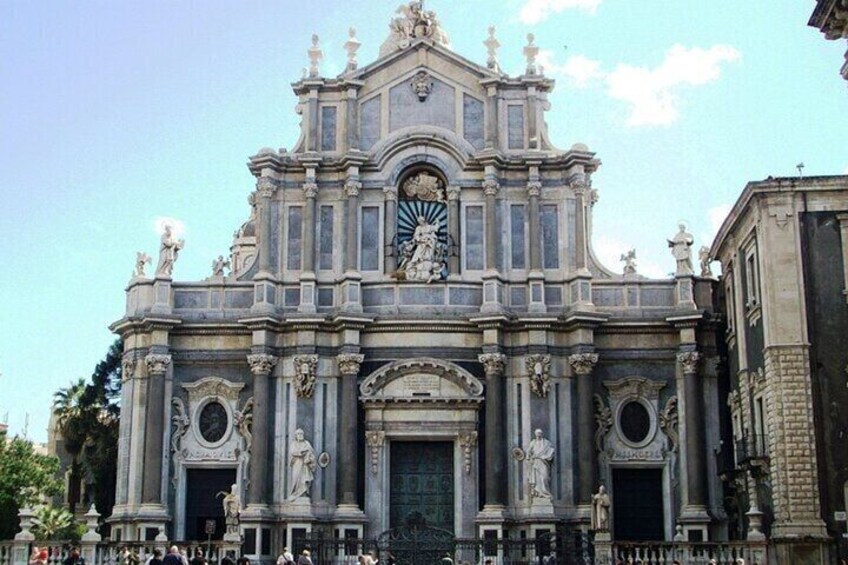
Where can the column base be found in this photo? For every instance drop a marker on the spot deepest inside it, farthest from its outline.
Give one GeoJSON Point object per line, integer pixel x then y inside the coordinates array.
{"type": "Point", "coordinates": [256, 513]}
{"type": "Point", "coordinates": [349, 513]}
{"type": "Point", "coordinates": [695, 521]}
{"type": "Point", "coordinates": [492, 514]}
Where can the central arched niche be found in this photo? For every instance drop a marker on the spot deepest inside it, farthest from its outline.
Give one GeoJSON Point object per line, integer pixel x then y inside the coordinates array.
{"type": "Point", "coordinates": [422, 236]}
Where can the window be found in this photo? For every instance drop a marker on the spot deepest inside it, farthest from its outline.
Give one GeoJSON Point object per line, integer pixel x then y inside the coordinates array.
{"type": "Point", "coordinates": [517, 227]}
{"type": "Point", "coordinates": [369, 250]}
{"type": "Point", "coordinates": [474, 255]}
{"type": "Point", "coordinates": [550, 236]}
{"type": "Point", "coordinates": [752, 279]}
{"type": "Point", "coordinates": [325, 243]}
{"type": "Point", "coordinates": [760, 427]}
{"type": "Point", "coordinates": [730, 298]}
{"type": "Point", "coordinates": [515, 127]}
{"type": "Point", "coordinates": [328, 128]}
{"type": "Point", "coordinates": [295, 238]}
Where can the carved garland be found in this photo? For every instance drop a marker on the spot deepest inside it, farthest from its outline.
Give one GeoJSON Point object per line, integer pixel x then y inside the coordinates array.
{"type": "Point", "coordinates": [180, 422]}
{"type": "Point", "coordinates": [538, 371]}
{"type": "Point", "coordinates": [668, 422]}
{"type": "Point", "coordinates": [244, 423]}
{"type": "Point", "coordinates": [375, 440]}
{"type": "Point", "coordinates": [467, 441]}
{"type": "Point", "coordinates": [603, 421]}
{"type": "Point", "coordinates": [305, 374]}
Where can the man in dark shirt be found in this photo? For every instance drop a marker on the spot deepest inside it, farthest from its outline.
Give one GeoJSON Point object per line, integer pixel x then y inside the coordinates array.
{"type": "Point", "coordinates": [173, 557]}
{"type": "Point", "coordinates": [74, 558]}
{"type": "Point", "coordinates": [198, 558]}
{"type": "Point", "coordinates": [156, 559]}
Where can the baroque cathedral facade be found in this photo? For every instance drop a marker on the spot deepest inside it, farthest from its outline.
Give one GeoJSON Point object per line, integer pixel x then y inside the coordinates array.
{"type": "Point", "coordinates": [415, 325]}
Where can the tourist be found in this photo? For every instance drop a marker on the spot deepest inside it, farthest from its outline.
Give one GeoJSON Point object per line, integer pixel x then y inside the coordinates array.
{"type": "Point", "coordinates": [286, 557]}
{"type": "Point", "coordinates": [38, 556]}
{"type": "Point", "coordinates": [229, 558]}
{"type": "Point", "coordinates": [156, 558]}
{"type": "Point", "coordinates": [127, 557]}
{"type": "Point", "coordinates": [243, 560]}
{"type": "Point", "coordinates": [173, 557]}
{"type": "Point", "coordinates": [184, 556]}
{"type": "Point", "coordinates": [304, 558]}
{"type": "Point", "coordinates": [74, 557]}
{"type": "Point", "coordinates": [198, 558]}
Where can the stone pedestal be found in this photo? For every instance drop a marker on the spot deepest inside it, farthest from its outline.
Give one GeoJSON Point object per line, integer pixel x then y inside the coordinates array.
{"type": "Point", "coordinates": [307, 293]}
{"type": "Point", "coordinates": [162, 303]}
{"type": "Point", "coordinates": [492, 293]}
{"type": "Point", "coordinates": [536, 284]}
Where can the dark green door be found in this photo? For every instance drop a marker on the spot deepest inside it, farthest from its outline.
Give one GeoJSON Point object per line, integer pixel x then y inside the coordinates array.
{"type": "Point", "coordinates": [421, 483]}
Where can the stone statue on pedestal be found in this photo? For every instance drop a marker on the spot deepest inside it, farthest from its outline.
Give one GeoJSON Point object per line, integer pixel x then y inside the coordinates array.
{"type": "Point", "coordinates": [538, 458]}
{"type": "Point", "coordinates": [601, 510]}
{"type": "Point", "coordinates": [302, 463]}
{"type": "Point", "coordinates": [232, 509]}
{"type": "Point", "coordinates": [681, 248]}
{"type": "Point", "coordinates": [169, 248]}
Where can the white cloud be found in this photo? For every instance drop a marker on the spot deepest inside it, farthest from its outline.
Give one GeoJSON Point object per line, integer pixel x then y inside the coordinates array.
{"type": "Point", "coordinates": [653, 93]}
{"type": "Point", "coordinates": [609, 250]}
{"type": "Point", "coordinates": [178, 227]}
{"type": "Point", "coordinates": [579, 68]}
{"type": "Point", "coordinates": [535, 11]}
{"type": "Point", "coordinates": [845, 172]}
{"type": "Point", "coordinates": [716, 216]}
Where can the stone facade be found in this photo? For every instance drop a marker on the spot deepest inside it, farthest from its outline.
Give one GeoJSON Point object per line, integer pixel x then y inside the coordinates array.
{"type": "Point", "coordinates": [416, 276]}
{"type": "Point", "coordinates": [783, 256]}
{"type": "Point", "coordinates": [831, 17]}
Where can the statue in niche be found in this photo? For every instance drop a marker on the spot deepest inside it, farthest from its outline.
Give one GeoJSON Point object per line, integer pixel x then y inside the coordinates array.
{"type": "Point", "coordinates": [422, 257]}
{"type": "Point", "coordinates": [681, 246]}
{"type": "Point", "coordinates": [425, 186]}
{"type": "Point", "coordinates": [538, 457]}
{"type": "Point", "coordinates": [232, 509]}
{"type": "Point", "coordinates": [169, 248]}
{"type": "Point", "coordinates": [302, 464]}
{"type": "Point", "coordinates": [601, 510]}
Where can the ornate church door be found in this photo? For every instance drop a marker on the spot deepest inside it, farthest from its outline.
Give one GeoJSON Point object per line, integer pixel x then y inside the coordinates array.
{"type": "Point", "coordinates": [422, 483]}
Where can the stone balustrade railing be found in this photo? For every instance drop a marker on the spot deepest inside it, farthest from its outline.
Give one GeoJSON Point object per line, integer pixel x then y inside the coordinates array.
{"type": "Point", "coordinates": [689, 553]}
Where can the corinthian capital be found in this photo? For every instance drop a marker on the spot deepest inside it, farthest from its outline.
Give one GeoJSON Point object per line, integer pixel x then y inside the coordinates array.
{"type": "Point", "coordinates": [453, 192]}
{"type": "Point", "coordinates": [583, 363]}
{"type": "Point", "coordinates": [349, 362]}
{"type": "Point", "coordinates": [157, 363]}
{"type": "Point", "coordinates": [493, 363]}
{"type": "Point", "coordinates": [266, 187]}
{"type": "Point", "coordinates": [689, 361]}
{"type": "Point", "coordinates": [261, 363]}
{"type": "Point", "coordinates": [534, 188]}
{"type": "Point", "coordinates": [352, 188]}
{"type": "Point", "coordinates": [310, 189]}
{"type": "Point", "coordinates": [490, 187]}
{"type": "Point", "coordinates": [391, 193]}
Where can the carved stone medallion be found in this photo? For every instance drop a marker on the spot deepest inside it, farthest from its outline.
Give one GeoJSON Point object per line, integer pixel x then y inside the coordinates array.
{"type": "Point", "coordinates": [422, 85]}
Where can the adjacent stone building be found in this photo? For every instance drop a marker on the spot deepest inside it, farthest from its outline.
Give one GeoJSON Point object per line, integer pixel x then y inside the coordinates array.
{"type": "Point", "coordinates": [785, 273]}
{"type": "Point", "coordinates": [413, 296]}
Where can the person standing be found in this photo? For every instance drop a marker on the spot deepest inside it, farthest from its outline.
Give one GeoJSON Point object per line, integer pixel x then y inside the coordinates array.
{"type": "Point", "coordinates": [286, 557]}
{"type": "Point", "coordinates": [304, 558]}
{"type": "Point", "coordinates": [198, 558]}
{"type": "Point", "coordinates": [173, 557]}
{"type": "Point", "coordinates": [156, 559]}
{"type": "Point", "coordinates": [74, 558]}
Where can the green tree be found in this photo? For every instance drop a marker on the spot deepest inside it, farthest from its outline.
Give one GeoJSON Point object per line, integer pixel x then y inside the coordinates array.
{"type": "Point", "coordinates": [88, 416]}
{"type": "Point", "coordinates": [25, 477]}
{"type": "Point", "coordinates": [51, 523]}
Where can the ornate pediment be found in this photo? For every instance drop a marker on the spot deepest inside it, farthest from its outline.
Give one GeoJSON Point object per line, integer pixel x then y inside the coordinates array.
{"type": "Point", "coordinates": [421, 378]}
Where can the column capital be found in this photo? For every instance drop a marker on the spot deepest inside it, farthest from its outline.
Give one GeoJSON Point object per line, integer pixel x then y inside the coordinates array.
{"type": "Point", "coordinates": [688, 361]}
{"type": "Point", "coordinates": [491, 187]}
{"type": "Point", "coordinates": [157, 363]}
{"type": "Point", "coordinates": [266, 187]}
{"type": "Point", "coordinates": [493, 363]}
{"type": "Point", "coordinates": [583, 363]}
{"type": "Point", "coordinates": [349, 362]}
{"type": "Point", "coordinates": [127, 368]}
{"type": "Point", "coordinates": [390, 193]}
{"type": "Point", "coordinates": [534, 188]}
{"type": "Point", "coordinates": [261, 363]}
{"type": "Point", "coordinates": [352, 188]}
{"type": "Point", "coordinates": [310, 189]}
{"type": "Point", "coordinates": [453, 192]}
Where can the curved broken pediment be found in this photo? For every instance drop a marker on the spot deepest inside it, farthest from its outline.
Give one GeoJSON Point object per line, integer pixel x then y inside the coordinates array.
{"type": "Point", "coordinates": [421, 377]}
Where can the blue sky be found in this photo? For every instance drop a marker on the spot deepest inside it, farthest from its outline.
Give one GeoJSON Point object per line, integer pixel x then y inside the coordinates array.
{"type": "Point", "coordinates": [115, 114]}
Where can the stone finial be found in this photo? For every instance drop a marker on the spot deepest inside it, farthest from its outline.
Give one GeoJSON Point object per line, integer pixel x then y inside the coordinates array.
{"type": "Point", "coordinates": [349, 362]}
{"type": "Point", "coordinates": [92, 519]}
{"type": "Point", "coordinates": [629, 260]}
{"type": "Point", "coordinates": [352, 45]}
{"type": "Point", "coordinates": [492, 44]}
{"type": "Point", "coordinates": [531, 51]}
{"type": "Point", "coordinates": [261, 363]}
{"type": "Point", "coordinates": [583, 363]}
{"type": "Point", "coordinates": [493, 363]}
{"type": "Point", "coordinates": [26, 516]}
{"type": "Point", "coordinates": [141, 259]}
{"type": "Point", "coordinates": [316, 55]}
{"type": "Point", "coordinates": [688, 361]}
{"type": "Point", "coordinates": [157, 363]}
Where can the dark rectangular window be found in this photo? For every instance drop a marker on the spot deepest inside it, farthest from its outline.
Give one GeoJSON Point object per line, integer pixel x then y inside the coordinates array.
{"type": "Point", "coordinates": [328, 128]}
{"type": "Point", "coordinates": [369, 252]}
{"type": "Point", "coordinates": [294, 247]}
{"type": "Point", "coordinates": [325, 240]}
{"type": "Point", "coordinates": [515, 127]}
{"type": "Point", "coordinates": [474, 237]}
{"type": "Point", "coordinates": [550, 237]}
{"type": "Point", "coordinates": [516, 218]}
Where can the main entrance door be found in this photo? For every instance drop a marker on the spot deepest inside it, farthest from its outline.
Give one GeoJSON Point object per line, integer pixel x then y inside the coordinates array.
{"type": "Point", "coordinates": [421, 483]}
{"type": "Point", "coordinates": [203, 503]}
{"type": "Point", "coordinates": [638, 504]}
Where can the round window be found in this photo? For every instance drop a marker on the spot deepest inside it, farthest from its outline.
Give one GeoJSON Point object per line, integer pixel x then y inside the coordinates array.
{"type": "Point", "coordinates": [213, 422]}
{"type": "Point", "coordinates": [635, 422]}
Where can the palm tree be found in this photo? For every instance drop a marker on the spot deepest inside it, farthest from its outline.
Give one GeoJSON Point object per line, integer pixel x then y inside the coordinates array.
{"type": "Point", "coordinates": [50, 522]}
{"type": "Point", "coordinates": [74, 422]}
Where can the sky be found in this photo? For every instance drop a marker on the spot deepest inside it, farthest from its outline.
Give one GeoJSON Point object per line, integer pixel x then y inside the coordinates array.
{"type": "Point", "coordinates": [117, 114]}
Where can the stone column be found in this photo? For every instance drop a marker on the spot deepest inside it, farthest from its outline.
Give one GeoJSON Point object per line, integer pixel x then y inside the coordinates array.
{"type": "Point", "coordinates": [348, 477]}
{"type": "Point", "coordinates": [492, 117]}
{"type": "Point", "coordinates": [264, 291]}
{"type": "Point", "coordinates": [261, 365]}
{"type": "Point", "coordinates": [157, 368]}
{"type": "Point", "coordinates": [351, 189]}
{"type": "Point", "coordinates": [536, 276]}
{"type": "Point", "coordinates": [695, 464]}
{"type": "Point", "coordinates": [312, 105]}
{"type": "Point", "coordinates": [582, 365]}
{"type": "Point", "coordinates": [496, 476]}
{"type": "Point", "coordinates": [390, 229]}
{"type": "Point", "coordinates": [532, 128]}
{"type": "Point", "coordinates": [578, 184]}
{"type": "Point", "coordinates": [453, 193]}
{"type": "Point", "coordinates": [490, 190]}
{"type": "Point", "coordinates": [124, 430]}
{"type": "Point", "coordinates": [352, 126]}
{"type": "Point", "coordinates": [307, 275]}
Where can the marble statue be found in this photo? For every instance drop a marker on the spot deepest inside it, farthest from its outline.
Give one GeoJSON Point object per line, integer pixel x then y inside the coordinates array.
{"type": "Point", "coordinates": [538, 457]}
{"type": "Point", "coordinates": [218, 266]}
{"type": "Point", "coordinates": [425, 186]}
{"type": "Point", "coordinates": [232, 509]}
{"type": "Point", "coordinates": [681, 246]}
{"type": "Point", "coordinates": [413, 22]}
{"type": "Point", "coordinates": [705, 260]}
{"type": "Point", "coordinates": [141, 259]}
{"type": "Point", "coordinates": [629, 259]}
{"type": "Point", "coordinates": [169, 248]}
{"type": "Point", "coordinates": [601, 509]}
{"type": "Point", "coordinates": [301, 465]}
{"type": "Point", "coordinates": [423, 255]}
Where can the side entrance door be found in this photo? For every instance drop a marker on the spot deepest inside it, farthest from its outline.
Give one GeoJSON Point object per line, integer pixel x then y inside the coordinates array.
{"type": "Point", "coordinates": [421, 483]}
{"type": "Point", "coordinates": [638, 505]}
{"type": "Point", "coordinates": [203, 502]}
